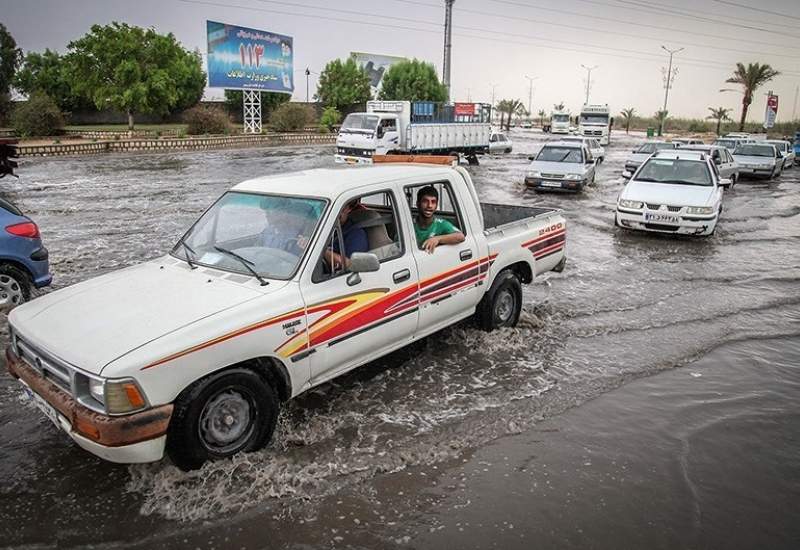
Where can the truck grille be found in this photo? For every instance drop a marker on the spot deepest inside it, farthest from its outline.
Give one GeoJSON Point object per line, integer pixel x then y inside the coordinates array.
{"type": "Point", "coordinates": [657, 206]}
{"type": "Point", "coordinates": [45, 364]}
{"type": "Point", "coordinates": [592, 132]}
{"type": "Point", "coordinates": [354, 152]}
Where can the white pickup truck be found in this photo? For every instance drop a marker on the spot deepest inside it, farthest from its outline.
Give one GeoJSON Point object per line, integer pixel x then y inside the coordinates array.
{"type": "Point", "coordinates": [195, 351]}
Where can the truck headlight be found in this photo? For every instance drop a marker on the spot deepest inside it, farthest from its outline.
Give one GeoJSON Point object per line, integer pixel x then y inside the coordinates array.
{"type": "Point", "coordinates": [634, 205]}
{"type": "Point", "coordinates": [117, 396]}
{"type": "Point", "coordinates": [700, 210]}
{"type": "Point", "coordinates": [97, 390]}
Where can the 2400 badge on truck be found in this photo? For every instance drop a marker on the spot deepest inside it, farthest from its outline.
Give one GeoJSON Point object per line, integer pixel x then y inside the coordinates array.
{"type": "Point", "coordinates": [193, 353]}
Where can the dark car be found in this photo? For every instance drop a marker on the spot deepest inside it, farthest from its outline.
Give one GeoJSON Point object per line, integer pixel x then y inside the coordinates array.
{"type": "Point", "coordinates": [23, 258]}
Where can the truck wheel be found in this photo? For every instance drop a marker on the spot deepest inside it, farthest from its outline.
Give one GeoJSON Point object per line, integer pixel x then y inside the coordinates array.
{"type": "Point", "coordinates": [502, 304]}
{"type": "Point", "coordinates": [15, 287]}
{"type": "Point", "coordinates": [218, 416]}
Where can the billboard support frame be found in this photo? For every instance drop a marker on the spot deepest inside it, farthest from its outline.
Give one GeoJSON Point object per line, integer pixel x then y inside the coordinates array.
{"type": "Point", "coordinates": [251, 108]}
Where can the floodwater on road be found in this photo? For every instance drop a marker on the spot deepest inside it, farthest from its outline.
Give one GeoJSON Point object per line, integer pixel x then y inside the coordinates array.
{"type": "Point", "coordinates": [648, 397]}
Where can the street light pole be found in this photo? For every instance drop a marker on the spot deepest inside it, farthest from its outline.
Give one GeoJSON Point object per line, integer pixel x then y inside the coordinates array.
{"type": "Point", "coordinates": [530, 92]}
{"type": "Point", "coordinates": [448, 44]}
{"type": "Point", "coordinates": [669, 78]}
{"type": "Point", "coordinates": [588, 80]}
{"type": "Point", "coordinates": [494, 87]}
{"type": "Point", "coordinates": [308, 72]}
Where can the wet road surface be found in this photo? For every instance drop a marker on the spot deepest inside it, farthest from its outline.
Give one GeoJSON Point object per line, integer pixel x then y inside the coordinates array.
{"type": "Point", "coordinates": [413, 450]}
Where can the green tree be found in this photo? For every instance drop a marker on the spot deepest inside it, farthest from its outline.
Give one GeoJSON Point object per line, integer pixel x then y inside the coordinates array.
{"type": "Point", "coordinates": [559, 106]}
{"type": "Point", "coordinates": [330, 118]}
{"type": "Point", "coordinates": [39, 116]}
{"type": "Point", "coordinates": [134, 70]}
{"type": "Point", "coordinates": [343, 83]}
{"type": "Point", "coordinates": [627, 116]}
{"type": "Point", "coordinates": [45, 73]}
{"type": "Point", "coordinates": [512, 107]}
{"type": "Point", "coordinates": [719, 114]}
{"type": "Point", "coordinates": [10, 58]}
{"type": "Point", "coordinates": [661, 119]}
{"type": "Point", "coordinates": [413, 80]}
{"type": "Point", "coordinates": [751, 78]}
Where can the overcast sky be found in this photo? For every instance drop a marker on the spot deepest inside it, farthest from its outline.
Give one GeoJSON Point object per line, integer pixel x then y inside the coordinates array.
{"type": "Point", "coordinates": [495, 42]}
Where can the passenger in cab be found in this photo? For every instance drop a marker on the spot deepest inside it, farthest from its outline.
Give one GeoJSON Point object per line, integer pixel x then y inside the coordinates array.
{"type": "Point", "coordinates": [430, 230]}
{"type": "Point", "coordinates": [354, 238]}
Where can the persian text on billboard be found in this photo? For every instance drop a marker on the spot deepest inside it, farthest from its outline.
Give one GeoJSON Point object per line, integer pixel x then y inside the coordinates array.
{"type": "Point", "coordinates": [240, 58]}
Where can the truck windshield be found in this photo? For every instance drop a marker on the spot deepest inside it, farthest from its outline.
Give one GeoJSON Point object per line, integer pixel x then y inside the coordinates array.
{"type": "Point", "coordinates": [687, 172]}
{"type": "Point", "coordinates": [594, 118]}
{"type": "Point", "coordinates": [754, 150]}
{"type": "Point", "coordinates": [360, 123]}
{"type": "Point", "coordinates": [560, 154]}
{"type": "Point", "coordinates": [560, 118]}
{"type": "Point", "coordinates": [268, 232]}
{"type": "Point", "coordinates": [653, 147]}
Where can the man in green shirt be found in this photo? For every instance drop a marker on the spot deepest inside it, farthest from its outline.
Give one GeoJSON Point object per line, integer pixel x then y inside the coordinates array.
{"type": "Point", "coordinates": [430, 230]}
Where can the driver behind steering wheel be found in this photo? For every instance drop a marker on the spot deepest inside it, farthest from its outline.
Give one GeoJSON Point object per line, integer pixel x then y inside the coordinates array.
{"type": "Point", "coordinates": [287, 227]}
{"type": "Point", "coordinates": [354, 237]}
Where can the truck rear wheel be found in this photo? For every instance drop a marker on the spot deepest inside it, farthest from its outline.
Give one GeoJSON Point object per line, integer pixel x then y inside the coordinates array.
{"type": "Point", "coordinates": [502, 304]}
{"type": "Point", "coordinates": [221, 415]}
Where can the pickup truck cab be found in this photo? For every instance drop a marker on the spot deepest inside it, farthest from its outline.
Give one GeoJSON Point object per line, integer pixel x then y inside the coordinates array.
{"type": "Point", "coordinates": [643, 152]}
{"type": "Point", "coordinates": [676, 192]}
{"type": "Point", "coordinates": [561, 166]}
{"type": "Point", "coordinates": [758, 160]}
{"type": "Point", "coordinates": [193, 353]}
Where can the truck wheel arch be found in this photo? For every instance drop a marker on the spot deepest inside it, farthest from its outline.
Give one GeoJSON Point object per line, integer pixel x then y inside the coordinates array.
{"type": "Point", "coordinates": [270, 369]}
{"type": "Point", "coordinates": [521, 268]}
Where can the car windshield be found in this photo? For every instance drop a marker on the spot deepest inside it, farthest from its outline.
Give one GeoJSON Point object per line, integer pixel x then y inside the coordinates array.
{"type": "Point", "coordinates": [754, 150]}
{"type": "Point", "coordinates": [360, 123]}
{"type": "Point", "coordinates": [689, 172]}
{"type": "Point", "coordinates": [268, 232]}
{"type": "Point", "coordinates": [652, 147]}
{"type": "Point", "coordinates": [560, 154]}
{"type": "Point", "coordinates": [591, 118]}
{"type": "Point", "coordinates": [560, 118]}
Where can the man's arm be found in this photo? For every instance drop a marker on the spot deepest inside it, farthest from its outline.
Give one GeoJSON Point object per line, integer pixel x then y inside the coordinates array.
{"type": "Point", "coordinates": [452, 238]}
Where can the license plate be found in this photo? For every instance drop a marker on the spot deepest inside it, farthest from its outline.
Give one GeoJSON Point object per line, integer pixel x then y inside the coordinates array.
{"type": "Point", "coordinates": [660, 218]}
{"type": "Point", "coordinates": [551, 184]}
{"type": "Point", "coordinates": [47, 409]}
{"type": "Point", "coordinates": [350, 161]}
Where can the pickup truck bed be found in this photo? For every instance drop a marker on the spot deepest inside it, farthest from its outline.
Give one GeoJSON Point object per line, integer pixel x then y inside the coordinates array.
{"type": "Point", "coordinates": [497, 216]}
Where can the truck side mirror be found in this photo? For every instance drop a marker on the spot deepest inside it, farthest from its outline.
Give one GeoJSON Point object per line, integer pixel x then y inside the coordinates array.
{"type": "Point", "coordinates": [380, 132]}
{"type": "Point", "coordinates": [362, 262]}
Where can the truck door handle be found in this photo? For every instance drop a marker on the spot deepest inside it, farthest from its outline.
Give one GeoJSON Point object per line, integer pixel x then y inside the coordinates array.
{"type": "Point", "coordinates": [465, 255]}
{"type": "Point", "coordinates": [402, 275]}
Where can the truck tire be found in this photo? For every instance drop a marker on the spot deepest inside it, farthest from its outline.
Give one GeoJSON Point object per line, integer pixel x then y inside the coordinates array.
{"type": "Point", "coordinates": [15, 287]}
{"type": "Point", "coordinates": [221, 415]}
{"type": "Point", "coordinates": [502, 304]}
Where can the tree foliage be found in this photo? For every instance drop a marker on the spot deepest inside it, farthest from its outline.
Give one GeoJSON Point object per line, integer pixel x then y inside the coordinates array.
{"type": "Point", "coordinates": [413, 80]}
{"type": "Point", "coordinates": [330, 118]}
{"type": "Point", "coordinates": [510, 107]}
{"type": "Point", "coordinates": [39, 116]}
{"type": "Point", "coordinates": [46, 73]}
{"type": "Point", "coordinates": [343, 83]}
{"type": "Point", "coordinates": [290, 117]}
{"type": "Point", "coordinates": [751, 77]}
{"type": "Point", "coordinates": [205, 119]}
{"type": "Point", "coordinates": [134, 70]}
{"type": "Point", "coordinates": [10, 58]}
{"type": "Point", "coordinates": [719, 114]}
{"type": "Point", "coordinates": [627, 116]}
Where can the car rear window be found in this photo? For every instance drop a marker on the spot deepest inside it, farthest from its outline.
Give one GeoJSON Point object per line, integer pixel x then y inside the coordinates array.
{"type": "Point", "coordinates": [10, 207]}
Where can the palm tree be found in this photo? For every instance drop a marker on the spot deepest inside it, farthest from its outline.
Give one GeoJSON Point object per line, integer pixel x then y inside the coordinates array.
{"type": "Point", "coordinates": [661, 119]}
{"type": "Point", "coordinates": [502, 108]}
{"type": "Point", "coordinates": [512, 107]}
{"type": "Point", "coordinates": [542, 114]}
{"type": "Point", "coordinates": [628, 115]}
{"type": "Point", "coordinates": [751, 78]}
{"type": "Point", "coordinates": [559, 106]}
{"type": "Point", "coordinates": [719, 114]}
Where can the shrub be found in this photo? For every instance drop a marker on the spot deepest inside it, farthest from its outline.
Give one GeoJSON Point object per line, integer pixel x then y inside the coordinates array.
{"type": "Point", "coordinates": [330, 118]}
{"type": "Point", "coordinates": [290, 117]}
{"type": "Point", "coordinates": [698, 126]}
{"type": "Point", "coordinates": [203, 119]}
{"type": "Point", "coordinates": [39, 116]}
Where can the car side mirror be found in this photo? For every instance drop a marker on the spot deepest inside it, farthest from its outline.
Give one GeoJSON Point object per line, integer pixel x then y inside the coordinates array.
{"type": "Point", "coordinates": [531, 158]}
{"type": "Point", "coordinates": [780, 155]}
{"type": "Point", "coordinates": [589, 161]}
{"type": "Point", "coordinates": [380, 132]}
{"type": "Point", "coordinates": [363, 262]}
{"type": "Point", "coordinates": [717, 161]}
{"type": "Point", "coordinates": [725, 182]}
{"type": "Point", "coordinates": [627, 175]}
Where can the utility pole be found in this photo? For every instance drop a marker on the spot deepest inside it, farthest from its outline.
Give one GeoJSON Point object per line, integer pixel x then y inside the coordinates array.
{"type": "Point", "coordinates": [794, 108]}
{"type": "Point", "coordinates": [308, 72]}
{"type": "Point", "coordinates": [448, 44]}
{"type": "Point", "coordinates": [530, 93]}
{"type": "Point", "coordinates": [588, 81]}
{"type": "Point", "coordinates": [494, 87]}
{"type": "Point", "coordinates": [669, 78]}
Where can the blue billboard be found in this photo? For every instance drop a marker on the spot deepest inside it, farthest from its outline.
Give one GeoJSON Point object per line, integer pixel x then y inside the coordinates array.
{"type": "Point", "coordinates": [248, 59]}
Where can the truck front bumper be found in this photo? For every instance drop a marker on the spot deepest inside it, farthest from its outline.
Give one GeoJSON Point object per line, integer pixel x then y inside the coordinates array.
{"type": "Point", "coordinates": [133, 438]}
{"type": "Point", "coordinates": [350, 159]}
{"type": "Point", "coordinates": [681, 225]}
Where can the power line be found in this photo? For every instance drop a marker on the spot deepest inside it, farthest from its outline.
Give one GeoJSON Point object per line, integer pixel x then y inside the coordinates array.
{"type": "Point", "coordinates": [635, 23]}
{"type": "Point", "coordinates": [760, 10]}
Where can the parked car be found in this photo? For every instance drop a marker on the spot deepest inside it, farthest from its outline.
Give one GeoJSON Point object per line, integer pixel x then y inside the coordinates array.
{"type": "Point", "coordinates": [723, 161]}
{"type": "Point", "coordinates": [676, 192]}
{"type": "Point", "coordinates": [785, 148]}
{"type": "Point", "coordinates": [24, 263]}
{"type": "Point", "coordinates": [195, 352]}
{"type": "Point", "coordinates": [729, 143]}
{"type": "Point", "coordinates": [597, 150]}
{"type": "Point", "coordinates": [683, 142]}
{"type": "Point", "coordinates": [500, 143]}
{"type": "Point", "coordinates": [760, 160]}
{"type": "Point", "coordinates": [561, 166]}
{"type": "Point", "coordinates": [641, 153]}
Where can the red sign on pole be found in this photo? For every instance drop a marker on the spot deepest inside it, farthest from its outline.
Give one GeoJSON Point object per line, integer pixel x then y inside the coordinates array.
{"type": "Point", "coordinates": [772, 111]}
{"type": "Point", "coordinates": [467, 109]}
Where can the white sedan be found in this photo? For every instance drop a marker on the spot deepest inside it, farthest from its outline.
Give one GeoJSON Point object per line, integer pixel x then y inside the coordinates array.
{"type": "Point", "coordinates": [597, 151]}
{"type": "Point", "coordinates": [676, 192]}
{"type": "Point", "coordinates": [500, 143]}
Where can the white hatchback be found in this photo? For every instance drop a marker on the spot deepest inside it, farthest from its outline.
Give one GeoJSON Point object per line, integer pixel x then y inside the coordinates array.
{"type": "Point", "coordinates": [675, 192]}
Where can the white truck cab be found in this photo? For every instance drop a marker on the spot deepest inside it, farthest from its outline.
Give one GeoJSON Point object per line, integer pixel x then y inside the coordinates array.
{"type": "Point", "coordinates": [595, 122]}
{"type": "Point", "coordinates": [193, 353]}
{"type": "Point", "coordinates": [560, 121]}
